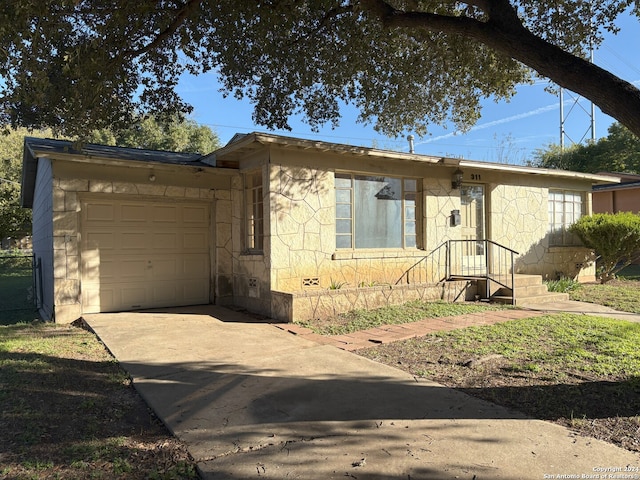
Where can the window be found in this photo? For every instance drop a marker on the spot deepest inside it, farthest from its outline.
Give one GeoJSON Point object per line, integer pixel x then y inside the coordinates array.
{"type": "Point", "coordinates": [375, 211]}
{"type": "Point", "coordinates": [565, 207]}
{"type": "Point", "coordinates": [254, 212]}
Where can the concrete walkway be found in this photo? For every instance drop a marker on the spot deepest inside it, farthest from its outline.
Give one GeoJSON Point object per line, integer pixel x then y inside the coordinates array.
{"type": "Point", "coordinates": [584, 308]}
{"type": "Point", "coordinates": [253, 401]}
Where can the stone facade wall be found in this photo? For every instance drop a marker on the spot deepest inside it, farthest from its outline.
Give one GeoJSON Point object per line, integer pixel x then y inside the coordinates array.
{"type": "Point", "coordinates": [439, 201]}
{"type": "Point", "coordinates": [302, 221]}
{"type": "Point", "coordinates": [251, 280]}
{"type": "Point", "coordinates": [519, 219]}
{"type": "Point", "coordinates": [66, 225]}
{"type": "Point", "coordinates": [301, 306]}
{"type": "Point", "coordinates": [302, 243]}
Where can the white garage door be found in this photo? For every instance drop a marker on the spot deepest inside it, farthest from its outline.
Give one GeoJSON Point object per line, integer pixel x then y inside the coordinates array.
{"type": "Point", "coordinates": [141, 254]}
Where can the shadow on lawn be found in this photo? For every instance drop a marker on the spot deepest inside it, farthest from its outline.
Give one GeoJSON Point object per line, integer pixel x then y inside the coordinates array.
{"type": "Point", "coordinates": [599, 399]}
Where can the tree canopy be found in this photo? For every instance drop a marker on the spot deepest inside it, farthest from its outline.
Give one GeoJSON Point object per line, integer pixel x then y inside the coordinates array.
{"type": "Point", "coordinates": [77, 65]}
{"type": "Point", "coordinates": [176, 135]}
{"type": "Point", "coordinates": [14, 220]}
{"type": "Point", "coordinates": [147, 132]}
{"type": "Point", "coordinates": [619, 152]}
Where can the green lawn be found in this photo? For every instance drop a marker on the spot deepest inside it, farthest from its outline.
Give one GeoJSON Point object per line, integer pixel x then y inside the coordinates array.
{"type": "Point", "coordinates": [622, 294]}
{"type": "Point", "coordinates": [579, 371]}
{"type": "Point", "coordinates": [70, 412]}
{"type": "Point", "coordinates": [394, 314]}
{"type": "Point", "coordinates": [16, 290]}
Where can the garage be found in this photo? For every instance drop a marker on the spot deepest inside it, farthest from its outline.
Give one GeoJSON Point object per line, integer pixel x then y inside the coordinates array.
{"type": "Point", "coordinates": [138, 254]}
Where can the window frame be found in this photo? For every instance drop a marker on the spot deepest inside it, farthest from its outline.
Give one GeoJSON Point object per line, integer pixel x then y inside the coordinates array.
{"type": "Point", "coordinates": [346, 211]}
{"type": "Point", "coordinates": [254, 212]}
{"type": "Point", "coordinates": [558, 230]}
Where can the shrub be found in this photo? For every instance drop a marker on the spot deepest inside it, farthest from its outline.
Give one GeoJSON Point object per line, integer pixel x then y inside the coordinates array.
{"type": "Point", "coordinates": [563, 285]}
{"type": "Point", "coordinates": [614, 237]}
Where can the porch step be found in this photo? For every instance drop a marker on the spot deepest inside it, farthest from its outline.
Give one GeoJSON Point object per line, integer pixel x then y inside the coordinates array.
{"type": "Point", "coordinates": [524, 290]}
{"type": "Point", "coordinates": [523, 301]}
{"type": "Point", "coordinates": [529, 289]}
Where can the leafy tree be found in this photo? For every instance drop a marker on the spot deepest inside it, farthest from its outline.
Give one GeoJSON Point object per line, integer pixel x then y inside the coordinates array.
{"type": "Point", "coordinates": [147, 132]}
{"type": "Point", "coordinates": [15, 221]}
{"type": "Point", "coordinates": [618, 152]}
{"type": "Point", "coordinates": [177, 135]}
{"type": "Point", "coordinates": [614, 237]}
{"type": "Point", "coordinates": [77, 65]}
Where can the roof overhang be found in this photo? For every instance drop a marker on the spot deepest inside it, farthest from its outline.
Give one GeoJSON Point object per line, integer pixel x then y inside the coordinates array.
{"type": "Point", "coordinates": [35, 148]}
{"type": "Point", "coordinates": [519, 169]}
{"type": "Point", "coordinates": [620, 186]}
{"type": "Point", "coordinates": [242, 145]}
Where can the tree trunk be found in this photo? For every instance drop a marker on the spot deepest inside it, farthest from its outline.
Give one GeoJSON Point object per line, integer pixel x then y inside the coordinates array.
{"type": "Point", "coordinates": [505, 33]}
{"type": "Point", "coordinates": [615, 97]}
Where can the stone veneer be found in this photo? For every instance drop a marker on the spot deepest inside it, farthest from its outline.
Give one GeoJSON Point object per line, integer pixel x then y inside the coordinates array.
{"type": "Point", "coordinates": [301, 306]}
{"type": "Point", "coordinates": [66, 205]}
{"type": "Point", "coordinates": [251, 282]}
{"type": "Point", "coordinates": [519, 220]}
{"type": "Point", "coordinates": [302, 249]}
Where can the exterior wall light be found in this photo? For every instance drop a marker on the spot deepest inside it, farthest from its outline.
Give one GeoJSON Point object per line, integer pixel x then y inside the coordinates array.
{"type": "Point", "coordinates": [456, 180]}
{"type": "Point", "coordinates": [152, 178]}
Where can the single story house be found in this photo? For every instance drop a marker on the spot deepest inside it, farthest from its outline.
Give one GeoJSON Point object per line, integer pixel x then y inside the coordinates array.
{"type": "Point", "coordinates": [290, 228]}
{"type": "Point", "coordinates": [618, 197]}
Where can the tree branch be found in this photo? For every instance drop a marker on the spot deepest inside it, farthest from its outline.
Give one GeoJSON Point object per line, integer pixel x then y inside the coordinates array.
{"type": "Point", "coordinates": [179, 19]}
{"type": "Point", "coordinates": [392, 18]}
{"type": "Point", "coordinates": [505, 33]}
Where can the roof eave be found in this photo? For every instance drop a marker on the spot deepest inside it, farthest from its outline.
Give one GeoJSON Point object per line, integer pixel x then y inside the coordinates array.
{"type": "Point", "coordinates": [592, 177]}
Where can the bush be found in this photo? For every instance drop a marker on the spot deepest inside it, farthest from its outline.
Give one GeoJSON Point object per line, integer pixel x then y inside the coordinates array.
{"type": "Point", "coordinates": [614, 237]}
{"type": "Point", "coordinates": [563, 285]}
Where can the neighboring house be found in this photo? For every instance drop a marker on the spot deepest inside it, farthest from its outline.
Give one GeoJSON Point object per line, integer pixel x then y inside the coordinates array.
{"type": "Point", "coordinates": [620, 197]}
{"type": "Point", "coordinates": [271, 224]}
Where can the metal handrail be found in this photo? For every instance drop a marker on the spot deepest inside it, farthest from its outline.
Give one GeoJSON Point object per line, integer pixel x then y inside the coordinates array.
{"type": "Point", "coordinates": [492, 261]}
{"type": "Point", "coordinates": [428, 268]}
{"type": "Point", "coordinates": [484, 259]}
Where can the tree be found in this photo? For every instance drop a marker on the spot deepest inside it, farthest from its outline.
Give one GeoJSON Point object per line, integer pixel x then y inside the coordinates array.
{"type": "Point", "coordinates": [618, 152]}
{"type": "Point", "coordinates": [177, 135]}
{"type": "Point", "coordinates": [147, 132]}
{"type": "Point", "coordinates": [83, 64]}
{"type": "Point", "coordinates": [614, 237]}
{"type": "Point", "coordinates": [14, 221]}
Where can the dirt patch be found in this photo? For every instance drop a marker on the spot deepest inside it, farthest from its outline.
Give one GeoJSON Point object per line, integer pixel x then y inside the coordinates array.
{"type": "Point", "coordinates": [603, 407]}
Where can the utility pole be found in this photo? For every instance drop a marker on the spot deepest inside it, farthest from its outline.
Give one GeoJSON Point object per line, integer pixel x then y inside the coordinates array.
{"type": "Point", "coordinates": [573, 103]}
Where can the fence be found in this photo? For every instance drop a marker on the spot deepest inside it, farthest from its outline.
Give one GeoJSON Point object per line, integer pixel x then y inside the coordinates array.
{"type": "Point", "coordinates": [18, 288]}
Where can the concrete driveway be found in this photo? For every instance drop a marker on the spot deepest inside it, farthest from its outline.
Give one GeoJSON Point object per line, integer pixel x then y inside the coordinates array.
{"type": "Point", "coordinates": [252, 401]}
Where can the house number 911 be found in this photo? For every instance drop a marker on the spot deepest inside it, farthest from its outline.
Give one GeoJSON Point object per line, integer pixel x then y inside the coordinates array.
{"type": "Point", "coordinates": [476, 176]}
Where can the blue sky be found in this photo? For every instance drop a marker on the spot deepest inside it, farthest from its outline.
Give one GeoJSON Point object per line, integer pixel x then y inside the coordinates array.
{"type": "Point", "coordinates": [507, 131]}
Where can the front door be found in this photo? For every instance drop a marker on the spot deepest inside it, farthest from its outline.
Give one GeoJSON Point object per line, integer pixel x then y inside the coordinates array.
{"type": "Point", "coordinates": [473, 228]}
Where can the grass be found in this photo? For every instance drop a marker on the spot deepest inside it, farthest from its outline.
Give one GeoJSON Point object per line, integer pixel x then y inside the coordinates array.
{"type": "Point", "coordinates": [623, 295]}
{"type": "Point", "coordinates": [580, 371]}
{"type": "Point", "coordinates": [557, 343]}
{"type": "Point", "coordinates": [70, 412]}
{"type": "Point", "coordinates": [409, 312]}
{"type": "Point", "coordinates": [16, 290]}
{"type": "Point", "coordinates": [563, 285]}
